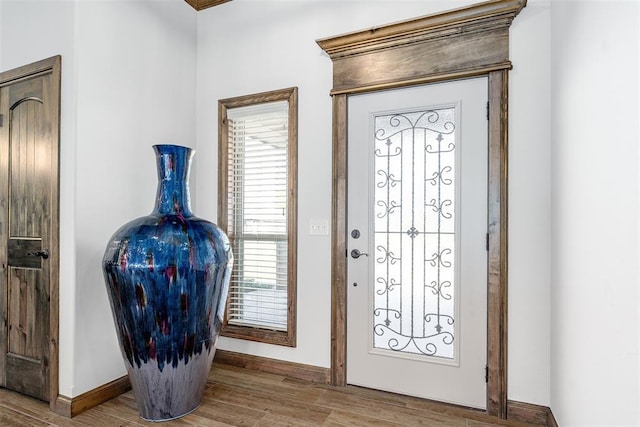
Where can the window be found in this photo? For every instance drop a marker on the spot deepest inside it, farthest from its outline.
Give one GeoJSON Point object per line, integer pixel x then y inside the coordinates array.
{"type": "Point", "coordinates": [257, 208]}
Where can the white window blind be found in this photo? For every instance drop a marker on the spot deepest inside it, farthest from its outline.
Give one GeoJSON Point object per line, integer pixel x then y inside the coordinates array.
{"type": "Point", "coordinates": [257, 214]}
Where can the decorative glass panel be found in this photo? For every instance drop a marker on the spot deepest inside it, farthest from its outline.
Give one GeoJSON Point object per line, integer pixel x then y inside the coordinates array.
{"type": "Point", "coordinates": [414, 205]}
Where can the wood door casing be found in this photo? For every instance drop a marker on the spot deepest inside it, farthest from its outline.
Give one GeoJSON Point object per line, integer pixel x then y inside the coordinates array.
{"type": "Point", "coordinates": [429, 49]}
{"type": "Point", "coordinates": [29, 105]}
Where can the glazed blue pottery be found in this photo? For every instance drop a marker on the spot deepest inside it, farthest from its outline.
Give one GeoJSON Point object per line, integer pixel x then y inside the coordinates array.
{"type": "Point", "coordinates": [167, 276]}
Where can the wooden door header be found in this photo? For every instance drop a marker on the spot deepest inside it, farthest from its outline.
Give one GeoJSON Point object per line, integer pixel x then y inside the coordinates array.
{"type": "Point", "coordinates": [463, 42]}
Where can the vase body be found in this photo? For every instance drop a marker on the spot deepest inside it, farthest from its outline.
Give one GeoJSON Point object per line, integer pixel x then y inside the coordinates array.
{"type": "Point", "coordinates": [167, 276]}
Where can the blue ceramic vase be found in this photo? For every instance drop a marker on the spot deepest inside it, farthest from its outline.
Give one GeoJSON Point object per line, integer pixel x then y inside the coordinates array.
{"type": "Point", "coordinates": [167, 276]}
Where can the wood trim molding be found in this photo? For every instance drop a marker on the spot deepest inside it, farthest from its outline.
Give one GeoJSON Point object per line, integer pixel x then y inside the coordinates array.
{"type": "Point", "coordinates": [62, 406]}
{"type": "Point", "coordinates": [497, 256]}
{"type": "Point", "coordinates": [530, 413]}
{"type": "Point", "coordinates": [472, 40]}
{"type": "Point", "coordinates": [70, 407]}
{"type": "Point", "coordinates": [470, 18]}
{"type": "Point", "coordinates": [54, 261]}
{"type": "Point", "coordinates": [465, 42]}
{"type": "Point", "coordinates": [300, 371]}
{"type": "Point", "coordinates": [433, 78]}
{"type": "Point", "coordinates": [205, 4]}
{"type": "Point", "coordinates": [285, 338]}
{"type": "Point", "coordinates": [551, 419]}
{"type": "Point", "coordinates": [339, 243]}
{"type": "Point", "coordinates": [527, 413]}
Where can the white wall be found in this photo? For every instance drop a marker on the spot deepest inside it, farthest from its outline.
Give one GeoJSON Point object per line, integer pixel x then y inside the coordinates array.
{"type": "Point", "coordinates": [595, 234]}
{"type": "Point", "coordinates": [529, 206]}
{"type": "Point", "coordinates": [31, 31]}
{"type": "Point", "coordinates": [136, 88]}
{"type": "Point", "coordinates": [128, 82]}
{"type": "Point", "coordinates": [250, 46]}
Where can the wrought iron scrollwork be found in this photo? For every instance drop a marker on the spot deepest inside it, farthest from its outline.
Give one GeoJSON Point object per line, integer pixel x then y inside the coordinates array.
{"type": "Point", "coordinates": [414, 160]}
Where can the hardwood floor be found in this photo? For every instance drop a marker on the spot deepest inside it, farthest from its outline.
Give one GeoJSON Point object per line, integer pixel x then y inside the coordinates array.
{"type": "Point", "coordinates": [241, 397]}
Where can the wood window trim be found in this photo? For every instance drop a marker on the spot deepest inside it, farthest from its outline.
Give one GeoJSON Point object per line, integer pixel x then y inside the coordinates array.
{"type": "Point", "coordinates": [288, 337]}
{"type": "Point", "coordinates": [51, 65]}
{"type": "Point", "coordinates": [466, 42]}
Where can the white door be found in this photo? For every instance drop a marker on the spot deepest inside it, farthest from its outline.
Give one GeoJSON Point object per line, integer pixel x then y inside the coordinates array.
{"type": "Point", "coordinates": [417, 203]}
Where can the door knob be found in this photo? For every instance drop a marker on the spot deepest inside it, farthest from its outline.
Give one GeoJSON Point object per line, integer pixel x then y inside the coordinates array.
{"type": "Point", "coordinates": [355, 254]}
{"type": "Point", "coordinates": [44, 253]}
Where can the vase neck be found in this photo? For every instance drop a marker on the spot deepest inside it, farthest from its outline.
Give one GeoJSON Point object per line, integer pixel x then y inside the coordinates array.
{"type": "Point", "coordinates": [173, 164]}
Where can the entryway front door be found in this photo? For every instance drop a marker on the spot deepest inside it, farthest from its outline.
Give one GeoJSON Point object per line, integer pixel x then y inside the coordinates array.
{"type": "Point", "coordinates": [28, 208]}
{"type": "Point", "coordinates": [417, 223]}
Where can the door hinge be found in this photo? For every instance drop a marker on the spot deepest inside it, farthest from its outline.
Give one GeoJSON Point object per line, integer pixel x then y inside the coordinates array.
{"type": "Point", "coordinates": [487, 242]}
{"type": "Point", "coordinates": [486, 373]}
{"type": "Point", "coordinates": [1, 119]}
{"type": "Point", "coordinates": [487, 110]}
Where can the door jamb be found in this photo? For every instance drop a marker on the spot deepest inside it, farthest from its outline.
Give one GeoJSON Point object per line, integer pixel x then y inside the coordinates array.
{"type": "Point", "coordinates": [50, 65]}
{"type": "Point", "coordinates": [467, 42]}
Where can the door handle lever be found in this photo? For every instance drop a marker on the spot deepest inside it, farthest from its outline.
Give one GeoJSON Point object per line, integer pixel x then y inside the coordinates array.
{"type": "Point", "coordinates": [355, 254]}
{"type": "Point", "coordinates": [44, 254]}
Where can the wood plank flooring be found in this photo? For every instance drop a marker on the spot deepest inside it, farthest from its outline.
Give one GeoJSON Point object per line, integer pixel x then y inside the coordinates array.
{"type": "Point", "coordinates": [241, 397]}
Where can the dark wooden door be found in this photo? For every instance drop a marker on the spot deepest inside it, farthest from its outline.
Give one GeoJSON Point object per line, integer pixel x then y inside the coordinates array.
{"type": "Point", "coordinates": [28, 178]}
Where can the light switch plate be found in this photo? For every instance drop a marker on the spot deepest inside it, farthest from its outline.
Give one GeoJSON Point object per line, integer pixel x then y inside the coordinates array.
{"type": "Point", "coordinates": [319, 227]}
